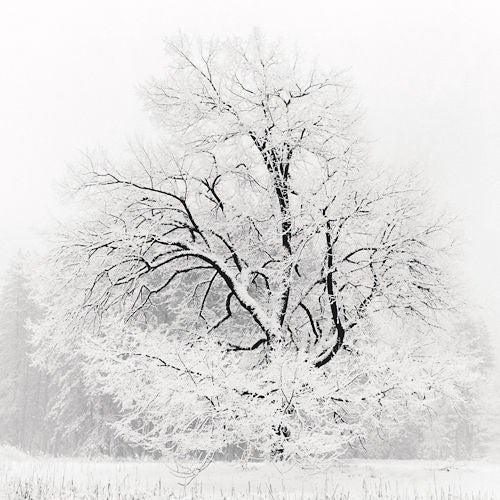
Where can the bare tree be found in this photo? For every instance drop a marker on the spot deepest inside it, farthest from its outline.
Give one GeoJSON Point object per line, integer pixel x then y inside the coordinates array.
{"type": "Point", "coordinates": [248, 278]}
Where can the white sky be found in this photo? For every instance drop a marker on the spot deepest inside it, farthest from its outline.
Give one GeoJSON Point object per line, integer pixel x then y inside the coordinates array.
{"type": "Point", "coordinates": [427, 73]}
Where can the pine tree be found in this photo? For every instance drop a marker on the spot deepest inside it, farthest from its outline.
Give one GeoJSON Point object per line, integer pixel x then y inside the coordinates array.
{"type": "Point", "coordinates": [23, 388]}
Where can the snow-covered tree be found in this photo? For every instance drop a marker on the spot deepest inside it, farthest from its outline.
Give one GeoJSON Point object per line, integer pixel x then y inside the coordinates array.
{"type": "Point", "coordinates": [78, 421]}
{"type": "Point", "coordinates": [23, 388]}
{"type": "Point", "coordinates": [463, 427]}
{"type": "Point", "coordinates": [247, 278]}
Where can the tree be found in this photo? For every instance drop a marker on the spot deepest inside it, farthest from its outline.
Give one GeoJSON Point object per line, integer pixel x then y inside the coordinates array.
{"type": "Point", "coordinates": [79, 422]}
{"type": "Point", "coordinates": [23, 388]}
{"type": "Point", "coordinates": [247, 279]}
{"type": "Point", "coordinates": [42, 411]}
{"type": "Point", "coordinates": [463, 427]}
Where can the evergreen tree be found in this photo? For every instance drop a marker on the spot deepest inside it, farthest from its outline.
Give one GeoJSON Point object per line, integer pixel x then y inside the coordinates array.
{"type": "Point", "coordinates": [23, 388]}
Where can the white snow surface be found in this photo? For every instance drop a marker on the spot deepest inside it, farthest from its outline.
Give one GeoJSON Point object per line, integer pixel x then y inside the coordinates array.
{"type": "Point", "coordinates": [48, 478]}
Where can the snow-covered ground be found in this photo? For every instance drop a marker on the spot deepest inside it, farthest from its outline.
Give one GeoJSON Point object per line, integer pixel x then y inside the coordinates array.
{"type": "Point", "coordinates": [26, 477]}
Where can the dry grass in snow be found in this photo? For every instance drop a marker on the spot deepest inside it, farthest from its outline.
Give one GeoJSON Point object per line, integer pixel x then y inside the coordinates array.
{"type": "Point", "coordinates": [54, 479]}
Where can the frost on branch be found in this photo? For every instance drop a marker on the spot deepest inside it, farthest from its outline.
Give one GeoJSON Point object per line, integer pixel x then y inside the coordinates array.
{"type": "Point", "coordinates": [247, 280]}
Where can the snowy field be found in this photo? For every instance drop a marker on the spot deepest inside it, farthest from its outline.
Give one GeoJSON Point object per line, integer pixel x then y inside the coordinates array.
{"type": "Point", "coordinates": [30, 478]}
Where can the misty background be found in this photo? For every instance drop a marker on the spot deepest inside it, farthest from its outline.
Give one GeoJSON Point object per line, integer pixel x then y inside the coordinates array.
{"type": "Point", "coordinates": [427, 75]}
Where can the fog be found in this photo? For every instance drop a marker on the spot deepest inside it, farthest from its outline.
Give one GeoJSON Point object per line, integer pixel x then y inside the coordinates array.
{"type": "Point", "coordinates": [427, 75]}
{"type": "Point", "coordinates": [260, 297]}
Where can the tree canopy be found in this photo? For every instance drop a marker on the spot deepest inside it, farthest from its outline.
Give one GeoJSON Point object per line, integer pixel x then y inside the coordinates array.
{"type": "Point", "coordinates": [248, 279]}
